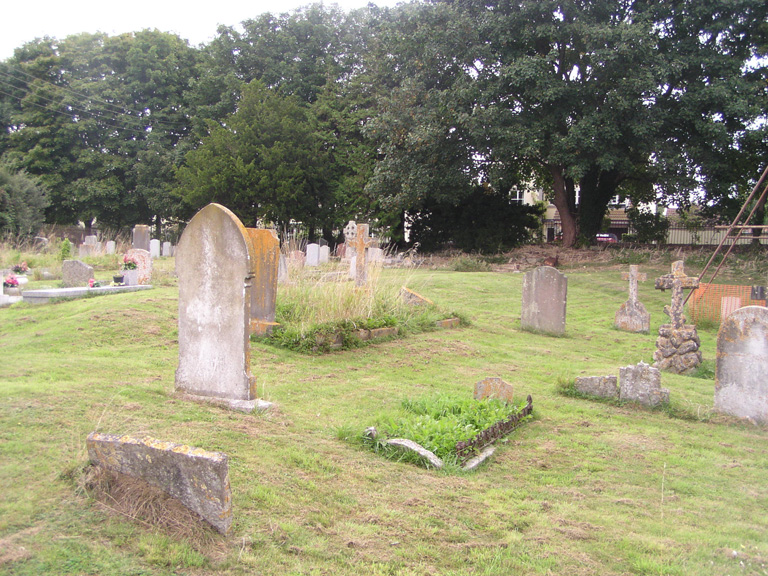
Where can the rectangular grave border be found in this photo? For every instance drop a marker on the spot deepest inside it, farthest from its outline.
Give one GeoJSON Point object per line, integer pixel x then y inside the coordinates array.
{"type": "Point", "coordinates": [336, 341]}
{"type": "Point", "coordinates": [466, 449]}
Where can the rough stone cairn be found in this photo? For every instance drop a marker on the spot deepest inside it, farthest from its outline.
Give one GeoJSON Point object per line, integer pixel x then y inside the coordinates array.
{"type": "Point", "coordinates": [677, 347]}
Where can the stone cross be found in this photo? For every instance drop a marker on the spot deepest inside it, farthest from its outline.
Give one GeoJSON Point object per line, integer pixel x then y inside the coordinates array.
{"type": "Point", "coordinates": [361, 242]}
{"type": "Point", "coordinates": [350, 230]}
{"type": "Point", "coordinates": [677, 281]}
{"type": "Point", "coordinates": [634, 277]}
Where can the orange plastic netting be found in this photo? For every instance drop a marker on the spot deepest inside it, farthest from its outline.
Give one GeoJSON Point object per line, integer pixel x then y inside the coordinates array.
{"type": "Point", "coordinates": [715, 301]}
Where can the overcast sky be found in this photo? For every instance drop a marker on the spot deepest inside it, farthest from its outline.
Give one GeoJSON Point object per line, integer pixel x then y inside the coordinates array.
{"type": "Point", "coordinates": [24, 20]}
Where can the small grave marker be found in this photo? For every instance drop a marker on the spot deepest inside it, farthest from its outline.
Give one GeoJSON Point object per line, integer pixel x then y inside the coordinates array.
{"type": "Point", "coordinates": [632, 315]}
{"type": "Point", "coordinates": [493, 388]}
{"type": "Point", "coordinates": [75, 273]}
{"type": "Point", "coordinates": [642, 384]}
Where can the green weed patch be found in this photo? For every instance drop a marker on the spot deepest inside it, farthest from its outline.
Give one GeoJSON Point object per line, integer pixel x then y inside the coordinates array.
{"type": "Point", "coordinates": [439, 423]}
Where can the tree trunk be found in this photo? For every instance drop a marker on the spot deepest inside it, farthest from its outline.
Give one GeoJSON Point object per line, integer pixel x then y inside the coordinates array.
{"type": "Point", "coordinates": [597, 187]}
{"type": "Point", "coordinates": [565, 202]}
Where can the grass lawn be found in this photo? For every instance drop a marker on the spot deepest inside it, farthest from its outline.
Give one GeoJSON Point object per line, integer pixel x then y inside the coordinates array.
{"type": "Point", "coordinates": [585, 488]}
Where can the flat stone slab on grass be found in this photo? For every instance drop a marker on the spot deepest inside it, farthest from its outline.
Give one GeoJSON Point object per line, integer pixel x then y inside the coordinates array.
{"type": "Point", "coordinates": [199, 479]}
{"type": "Point", "coordinates": [602, 386]}
{"type": "Point", "coordinates": [418, 449]}
{"type": "Point", "coordinates": [43, 296]}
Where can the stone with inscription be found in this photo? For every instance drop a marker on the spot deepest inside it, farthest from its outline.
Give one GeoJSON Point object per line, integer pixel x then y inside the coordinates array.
{"type": "Point", "coordinates": [741, 386]}
{"type": "Point", "coordinates": [493, 388]}
{"type": "Point", "coordinates": [199, 479]}
{"type": "Point", "coordinates": [143, 271]}
{"type": "Point", "coordinates": [632, 315]}
{"type": "Point", "coordinates": [141, 237]}
{"type": "Point", "coordinates": [642, 384]}
{"type": "Point", "coordinates": [678, 345]}
{"type": "Point", "coordinates": [75, 273]}
{"type": "Point", "coordinates": [545, 292]}
{"type": "Point", "coordinates": [214, 265]}
{"type": "Point", "coordinates": [602, 386]}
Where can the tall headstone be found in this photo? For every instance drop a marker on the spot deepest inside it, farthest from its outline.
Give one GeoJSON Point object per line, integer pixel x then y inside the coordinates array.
{"type": "Point", "coordinates": [266, 257]}
{"type": "Point", "coordinates": [545, 292]}
{"type": "Point", "coordinates": [167, 249]}
{"type": "Point", "coordinates": [325, 254]}
{"type": "Point", "coordinates": [75, 273]}
{"type": "Point", "coordinates": [214, 265]}
{"type": "Point", "coordinates": [632, 315]}
{"type": "Point", "coordinates": [154, 248]}
{"type": "Point", "coordinates": [143, 272]}
{"type": "Point", "coordinates": [111, 247]}
{"type": "Point", "coordinates": [141, 237]}
{"type": "Point", "coordinates": [361, 242]}
{"type": "Point", "coordinates": [741, 386]}
{"type": "Point", "coordinates": [313, 255]}
{"type": "Point", "coordinates": [677, 347]}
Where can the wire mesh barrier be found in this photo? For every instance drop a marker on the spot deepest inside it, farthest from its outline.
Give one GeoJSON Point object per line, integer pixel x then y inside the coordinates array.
{"type": "Point", "coordinates": [715, 302]}
{"type": "Point", "coordinates": [466, 449]}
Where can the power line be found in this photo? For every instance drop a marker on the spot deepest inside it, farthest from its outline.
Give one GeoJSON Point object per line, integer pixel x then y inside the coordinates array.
{"type": "Point", "coordinates": [116, 110]}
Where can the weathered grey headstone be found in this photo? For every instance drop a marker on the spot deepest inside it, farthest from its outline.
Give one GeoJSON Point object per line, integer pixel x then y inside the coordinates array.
{"type": "Point", "coordinates": [678, 345]}
{"type": "Point", "coordinates": [642, 384]}
{"type": "Point", "coordinates": [325, 254]}
{"type": "Point", "coordinates": [632, 315]}
{"type": "Point", "coordinates": [282, 270]}
{"type": "Point", "coordinates": [741, 385]}
{"type": "Point", "coordinates": [214, 265]}
{"type": "Point", "coordinates": [350, 232]}
{"type": "Point", "coordinates": [141, 237]}
{"type": "Point", "coordinates": [266, 256]}
{"type": "Point", "coordinates": [493, 388]}
{"type": "Point", "coordinates": [313, 255]}
{"type": "Point", "coordinates": [375, 254]}
{"type": "Point", "coordinates": [154, 248]}
{"type": "Point", "coordinates": [545, 292]}
{"type": "Point", "coordinates": [603, 386]}
{"type": "Point", "coordinates": [75, 273]}
{"type": "Point", "coordinates": [361, 242]}
{"type": "Point", "coordinates": [167, 249]}
{"type": "Point", "coordinates": [199, 479]}
{"type": "Point", "coordinates": [111, 246]}
{"type": "Point", "coordinates": [90, 240]}
{"type": "Point", "coordinates": [143, 272]}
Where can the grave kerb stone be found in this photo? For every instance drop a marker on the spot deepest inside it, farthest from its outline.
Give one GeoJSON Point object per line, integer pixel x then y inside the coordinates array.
{"type": "Point", "coordinates": [199, 479]}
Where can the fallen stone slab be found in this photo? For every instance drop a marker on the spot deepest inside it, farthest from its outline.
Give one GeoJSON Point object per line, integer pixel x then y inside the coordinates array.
{"type": "Point", "coordinates": [418, 449]}
{"type": "Point", "coordinates": [479, 459]}
{"type": "Point", "coordinates": [199, 479]}
{"type": "Point", "coordinates": [45, 295]}
{"type": "Point", "coordinates": [493, 388]}
{"type": "Point", "coordinates": [602, 386]}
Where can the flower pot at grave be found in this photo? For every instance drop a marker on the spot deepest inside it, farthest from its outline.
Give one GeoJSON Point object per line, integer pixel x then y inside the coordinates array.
{"type": "Point", "coordinates": [118, 279]}
{"type": "Point", "coordinates": [131, 277]}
